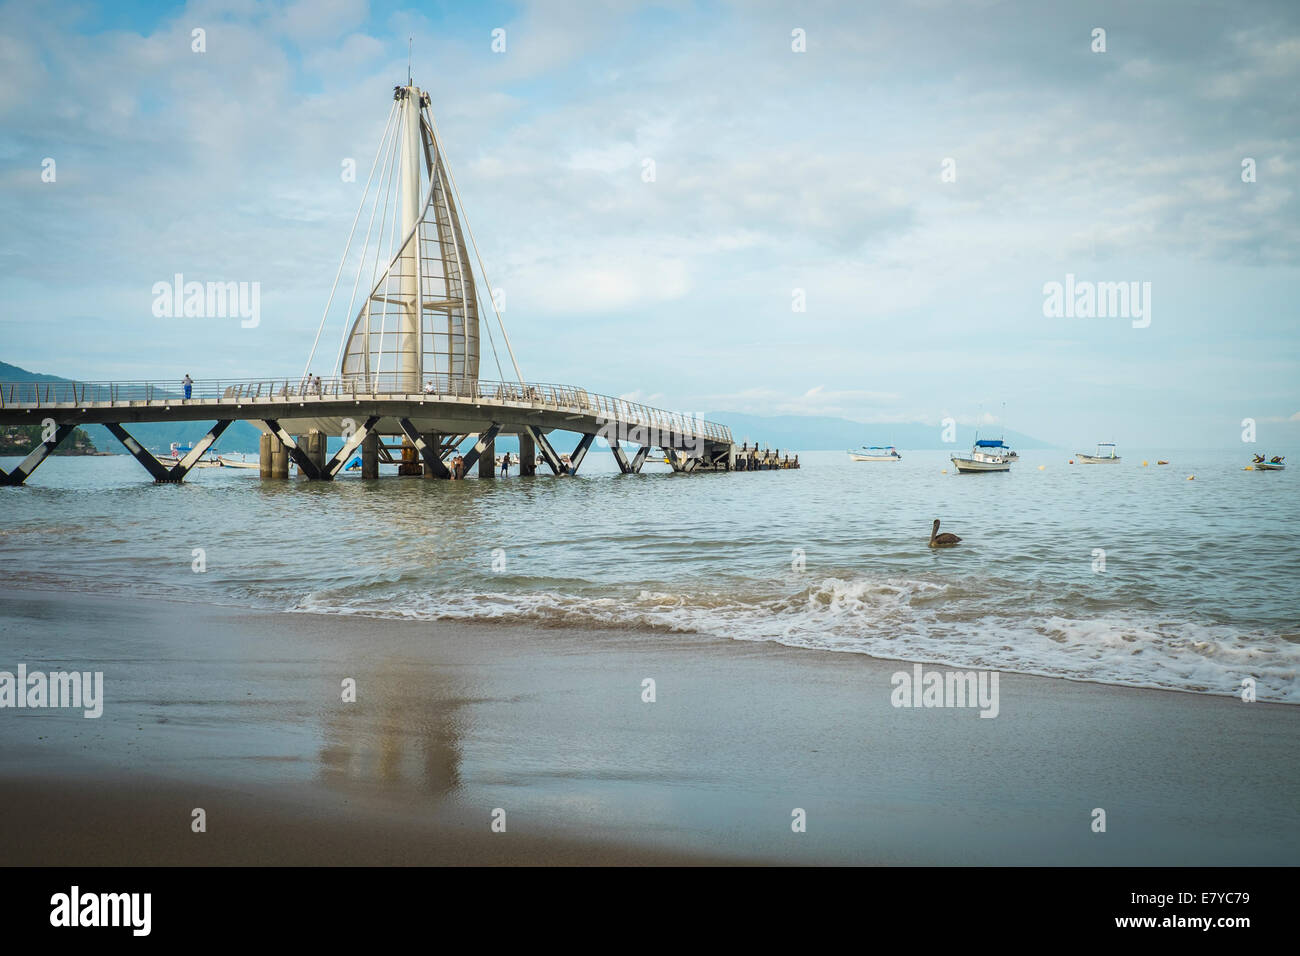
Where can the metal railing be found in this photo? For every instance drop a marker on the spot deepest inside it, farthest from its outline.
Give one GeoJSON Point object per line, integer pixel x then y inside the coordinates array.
{"type": "Point", "coordinates": [440, 386]}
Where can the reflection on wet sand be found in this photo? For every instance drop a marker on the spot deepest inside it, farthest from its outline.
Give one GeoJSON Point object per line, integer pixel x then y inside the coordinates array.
{"type": "Point", "coordinates": [401, 733]}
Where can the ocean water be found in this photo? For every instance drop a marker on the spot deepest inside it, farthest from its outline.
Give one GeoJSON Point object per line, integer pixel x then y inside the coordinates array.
{"type": "Point", "coordinates": [1198, 589]}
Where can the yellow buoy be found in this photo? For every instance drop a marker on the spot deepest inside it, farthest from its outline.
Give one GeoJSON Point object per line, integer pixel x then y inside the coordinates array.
{"type": "Point", "coordinates": [1144, 464]}
{"type": "Point", "coordinates": [1041, 467]}
{"type": "Point", "coordinates": [1191, 477]}
{"type": "Point", "coordinates": [945, 471]}
{"type": "Point", "coordinates": [1249, 468]}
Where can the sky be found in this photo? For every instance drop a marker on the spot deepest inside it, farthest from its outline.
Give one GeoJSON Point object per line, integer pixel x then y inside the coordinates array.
{"type": "Point", "coordinates": [915, 176]}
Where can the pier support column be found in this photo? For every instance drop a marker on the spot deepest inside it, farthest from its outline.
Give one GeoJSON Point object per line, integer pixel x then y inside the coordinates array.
{"type": "Point", "coordinates": [433, 445]}
{"type": "Point", "coordinates": [487, 460]}
{"type": "Point", "coordinates": [279, 460]}
{"type": "Point", "coordinates": [318, 448]}
{"type": "Point", "coordinates": [313, 446]}
{"type": "Point", "coordinates": [265, 446]}
{"type": "Point", "coordinates": [370, 456]}
{"type": "Point", "coordinates": [527, 454]}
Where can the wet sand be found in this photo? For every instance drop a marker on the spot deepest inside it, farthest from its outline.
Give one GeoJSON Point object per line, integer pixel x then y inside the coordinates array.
{"type": "Point", "coordinates": [241, 713]}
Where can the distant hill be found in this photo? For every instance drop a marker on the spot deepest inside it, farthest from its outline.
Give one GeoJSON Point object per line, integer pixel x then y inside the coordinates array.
{"type": "Point", "coordinates": [812, 433]}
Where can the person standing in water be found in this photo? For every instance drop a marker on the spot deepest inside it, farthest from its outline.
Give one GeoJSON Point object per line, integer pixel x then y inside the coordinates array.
{"type": "Point", "coordinates": [505, 464]}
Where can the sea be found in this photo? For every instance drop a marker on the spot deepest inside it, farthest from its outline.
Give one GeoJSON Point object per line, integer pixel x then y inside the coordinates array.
{"type": "Point", "coordinates": [1180, 576]}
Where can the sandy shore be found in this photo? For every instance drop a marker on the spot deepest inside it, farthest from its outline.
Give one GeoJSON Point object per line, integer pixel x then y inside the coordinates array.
{"type": "Point", "coordinates": [241, 713]}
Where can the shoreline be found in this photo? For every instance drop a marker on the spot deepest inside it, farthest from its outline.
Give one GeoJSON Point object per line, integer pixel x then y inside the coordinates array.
{"type": "Point", "coordinates": [10, 589]}
{"type": "Point", "coordinates": [242, 708]}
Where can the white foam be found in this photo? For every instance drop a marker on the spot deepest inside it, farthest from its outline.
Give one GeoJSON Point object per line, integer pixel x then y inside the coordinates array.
{"type": "Point", "coordinates": [897, 619]}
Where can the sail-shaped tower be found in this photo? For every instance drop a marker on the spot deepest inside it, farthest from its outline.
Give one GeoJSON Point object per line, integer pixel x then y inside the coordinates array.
{"type": "Point", "coordinates": [420, 321]}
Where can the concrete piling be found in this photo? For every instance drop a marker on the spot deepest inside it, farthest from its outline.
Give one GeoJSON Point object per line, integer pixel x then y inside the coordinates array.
{"type": "Point", "coordinates": [527, 454]}
{"type": "Point", "coordinates": [370, 455]}
{"type": "Point", "coordinates": [264, 450]}
{"type": "Point", "coordinates": [432, 441]}
{"type": "Point", "coordinates": [313, 445]}
{"type": "Point", "coordinates": [279, 460]}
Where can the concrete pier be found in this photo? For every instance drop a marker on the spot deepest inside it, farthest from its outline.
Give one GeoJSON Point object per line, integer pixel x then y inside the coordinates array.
{"type": "Point", "coordinates": [313, 445]}
{"type": "Point", "coordinates": [264, 450]}
{"type": "Point", "coordinates": [273, 457]}
{"type": "Point", "coordinates": [487, 460]}
{"type": "Point", "coordinates": [431, 440]}
{"type": "Point", "coordinates": [527, 454]}
{"type": "Point", "coordinates": [370, 456]}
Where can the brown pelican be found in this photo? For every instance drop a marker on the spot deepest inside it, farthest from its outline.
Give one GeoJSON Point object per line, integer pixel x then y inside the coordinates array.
{"type": "Point", "coordinates": [944, 540]}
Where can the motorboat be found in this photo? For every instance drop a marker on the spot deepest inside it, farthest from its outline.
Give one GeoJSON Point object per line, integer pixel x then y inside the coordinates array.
{"type": "Point", "coordinates": [1105, 455]}
{"type": "Point", "coordinates": [876, 453]}
{"type": "Point", "coordinates": [986, 455]}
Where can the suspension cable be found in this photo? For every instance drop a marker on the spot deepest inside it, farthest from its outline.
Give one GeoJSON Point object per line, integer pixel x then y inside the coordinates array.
{"type": "Point", "coordinates": [437, 140]}
{"type": "Point", "coordinates": [351, 232]}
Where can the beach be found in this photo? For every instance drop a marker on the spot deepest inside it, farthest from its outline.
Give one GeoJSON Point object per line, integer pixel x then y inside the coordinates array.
{"type": "Point", "coordinates": [240, 712]}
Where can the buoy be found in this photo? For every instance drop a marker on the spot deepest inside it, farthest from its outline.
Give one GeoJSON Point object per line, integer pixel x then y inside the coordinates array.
{"type": "Point", "coordinates": [1191, 477]}
{"type": "Point", "coordinates": [1041, 467]}
{"type": "Point", "coordinates": [1249, 468]}
{"type": "Point", "coordinates": [1144, 464]}
{"type": "Point", "coordinates": [945, 471]}
{"type": "Point", "coordinates": [1072, 461]}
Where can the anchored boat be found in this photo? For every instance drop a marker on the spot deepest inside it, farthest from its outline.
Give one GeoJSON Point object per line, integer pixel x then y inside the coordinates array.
{"type": "Point", "coordinates": [876, 453]}
{"type": "Point", "coordinates": [991, 454]}
{"type": "Point", "coordinates": [1105, 455]}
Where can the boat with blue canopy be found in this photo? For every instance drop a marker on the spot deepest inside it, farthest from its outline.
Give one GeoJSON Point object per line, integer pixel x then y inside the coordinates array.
{"type": "Point", "coordinates": [987, 454]}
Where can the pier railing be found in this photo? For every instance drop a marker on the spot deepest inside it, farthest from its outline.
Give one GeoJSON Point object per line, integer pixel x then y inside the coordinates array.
{"type": "Point", "coordinates": [537, 395]}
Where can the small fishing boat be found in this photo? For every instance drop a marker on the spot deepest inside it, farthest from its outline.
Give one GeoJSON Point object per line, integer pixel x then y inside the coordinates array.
{"type": "Point", "coordinates": [1276, 463]}
{"type": "Point", "coordinates": [876, 453]}
{"type": "Point", "coordinates": [986, 455]}
{"type": "Point", "coordinates": [1105, 455]}
{"type": "Point", "coordinates": [227, 461]}
{"type": "Point", "coordinates": [179, 450]}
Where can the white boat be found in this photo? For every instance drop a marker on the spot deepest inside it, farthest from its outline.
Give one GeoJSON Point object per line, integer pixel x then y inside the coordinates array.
{"type": "Point", "coordinates": [876, 453]}
{"type": "Point", "coordinates": [225, 461]}
{"type": "Point", "coordinates": [179, 450]}
{"type": "Point", "coordinates": [986, 455]}
{"type": "Point", "coordinates": [1276, 463]}
{"type": "Point", "coordinates": [1105, 455]}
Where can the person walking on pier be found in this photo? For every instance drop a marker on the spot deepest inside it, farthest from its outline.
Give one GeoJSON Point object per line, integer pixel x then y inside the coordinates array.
{"type": "Point", "coordinates": [189, 385]}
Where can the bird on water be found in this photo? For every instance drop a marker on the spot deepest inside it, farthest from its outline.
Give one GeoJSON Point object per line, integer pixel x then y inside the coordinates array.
{"type": "Point", "coordinates": [944, 540]}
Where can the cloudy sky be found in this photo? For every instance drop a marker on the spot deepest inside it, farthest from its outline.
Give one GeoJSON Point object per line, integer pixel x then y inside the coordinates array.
{"type": "Point", "coordinates": [774, 171]}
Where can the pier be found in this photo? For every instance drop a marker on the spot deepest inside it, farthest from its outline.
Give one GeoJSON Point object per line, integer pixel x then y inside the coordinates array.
{"type": "Point", "coordinates": [407, 390]}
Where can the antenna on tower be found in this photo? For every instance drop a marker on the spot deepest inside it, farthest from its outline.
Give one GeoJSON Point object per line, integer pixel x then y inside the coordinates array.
{"type": "Point", "coordinates": [409, 81]}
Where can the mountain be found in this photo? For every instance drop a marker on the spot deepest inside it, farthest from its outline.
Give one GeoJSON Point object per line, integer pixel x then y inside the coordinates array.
{"type": "Point", "coordinates": [814, 433]}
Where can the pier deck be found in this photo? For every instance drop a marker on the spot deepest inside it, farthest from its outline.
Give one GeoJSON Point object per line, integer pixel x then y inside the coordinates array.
{"type": "Point", "coordinates": [353, 408]}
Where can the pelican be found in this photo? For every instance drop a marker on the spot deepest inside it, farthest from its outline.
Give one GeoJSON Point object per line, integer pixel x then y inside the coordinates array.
{"type": "Point", "coordinates": [944, 540]}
